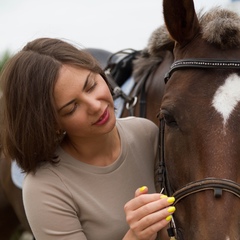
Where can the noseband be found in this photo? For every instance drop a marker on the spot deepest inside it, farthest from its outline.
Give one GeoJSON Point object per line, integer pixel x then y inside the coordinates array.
{"type": "Point", "coordinates": [215, 184]}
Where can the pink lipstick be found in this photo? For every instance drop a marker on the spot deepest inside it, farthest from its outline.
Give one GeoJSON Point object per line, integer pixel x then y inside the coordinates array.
{"type": "Point", "coordinates": [104, 118]}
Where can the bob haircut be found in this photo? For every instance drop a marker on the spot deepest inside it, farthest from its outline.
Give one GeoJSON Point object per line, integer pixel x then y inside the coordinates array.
{"type": "Point", "coordinates": [30, 131]}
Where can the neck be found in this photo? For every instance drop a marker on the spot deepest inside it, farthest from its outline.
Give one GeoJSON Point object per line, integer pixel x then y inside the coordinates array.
{"type": "Point", "coordinates": [100, 151]}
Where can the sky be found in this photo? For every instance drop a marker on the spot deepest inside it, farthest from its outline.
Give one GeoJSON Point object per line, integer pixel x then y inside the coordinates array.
{"type": "Point", "coordinates": [107, 24]}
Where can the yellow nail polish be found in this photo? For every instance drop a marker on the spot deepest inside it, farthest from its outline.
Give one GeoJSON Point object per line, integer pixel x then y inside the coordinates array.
{"type": "Point", "coordinates": [168, 218]}
{"type": "Point", "coordinates": [141, 189]}
{"type": "Point", "coordinates": [171, 209]}
{"type": "Point", "coordinates": [171, 199]}
{"type": "Point", "coordinates": [163, 196]}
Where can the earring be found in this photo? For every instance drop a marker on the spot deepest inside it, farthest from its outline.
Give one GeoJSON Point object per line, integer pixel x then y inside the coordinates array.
{"type": "Point", "coordinates": [60, 132]}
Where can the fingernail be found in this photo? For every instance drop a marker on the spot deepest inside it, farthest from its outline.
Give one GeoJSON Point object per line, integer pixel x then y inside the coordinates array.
{"type": "Point", "coordinates": [171, 199]}
{"type": "Point", "coordinates": [141, 189]}
{"type": "Point", "coordinates": [171, 209]}
{"type": "Point", "coordinates": [163, 196]}
{"type": "Point", "coordinates": [168, 218]}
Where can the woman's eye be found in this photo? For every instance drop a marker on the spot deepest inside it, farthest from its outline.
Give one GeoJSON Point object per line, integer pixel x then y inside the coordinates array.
{"type": "Point", "coordinates": [72, 110]}
{"type": "Point", "coordinates": [92, 83]}
{"type": "Point", "coordinates": [92, 86]}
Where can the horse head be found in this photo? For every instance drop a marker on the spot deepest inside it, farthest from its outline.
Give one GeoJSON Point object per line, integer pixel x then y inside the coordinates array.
{"type": "Point", "coordinates": [201, 112]}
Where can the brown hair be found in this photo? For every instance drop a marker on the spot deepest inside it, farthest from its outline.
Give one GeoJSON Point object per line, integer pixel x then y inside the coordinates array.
{"type": "Point", "coordinates": [30, 123]}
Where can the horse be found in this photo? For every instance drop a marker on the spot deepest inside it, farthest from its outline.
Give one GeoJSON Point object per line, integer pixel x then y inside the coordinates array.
{"type": "Point", "coordinates": [199, 112]}
{"type": "Point", "coordinates": [13, 221]}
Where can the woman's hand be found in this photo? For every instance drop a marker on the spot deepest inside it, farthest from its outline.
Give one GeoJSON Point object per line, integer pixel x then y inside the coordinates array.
{"type": "Point", "coordinates": [147, 214]}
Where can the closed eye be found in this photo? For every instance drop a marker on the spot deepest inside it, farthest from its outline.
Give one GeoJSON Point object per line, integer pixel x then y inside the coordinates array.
{"type": "Point", "coordinates": [92, 86]}
{"type": "Point", "coordinates": [72, 110]}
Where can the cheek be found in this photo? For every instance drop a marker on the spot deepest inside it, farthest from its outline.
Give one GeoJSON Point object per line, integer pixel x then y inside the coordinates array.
{"type": "Point", "coordinates": [73, 124]}
{"type": "Point", "coordinates": [107, 94]}
{"type": "Point", "coordinates": [104, 87]}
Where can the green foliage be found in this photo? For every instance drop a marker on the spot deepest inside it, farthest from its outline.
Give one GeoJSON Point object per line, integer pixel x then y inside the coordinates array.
{"type": "Point", "coordinates": [4, 59]}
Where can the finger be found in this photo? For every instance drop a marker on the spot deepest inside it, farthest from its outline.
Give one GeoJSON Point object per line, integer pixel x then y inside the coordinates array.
{"type": "Point", "coordinates": [168, 200]}
{"type": "Point", "coordinates": [152, 223]}
{"type": "Point", "coordinates": [144, 199]}
{"type": "Point", "coordinates": [140, 201]}
{"type": "Point", "coordinates": [148, 208]}
{"type": "Point", "coordinates": [141, 190]}
{"type": "Point", "coordinates": [151, 230]}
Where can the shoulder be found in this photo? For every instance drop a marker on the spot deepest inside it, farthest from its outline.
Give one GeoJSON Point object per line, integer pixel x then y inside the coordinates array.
{"type": "Point", "coordinates": [136, 122]}
{"type": "Point", "coordinates": [45, 184]}
{"type": "Point", "coordinates": [44, 180]}
{"type": "Point", "coordinates": [136, 127]}
{"type": "Point", "coordinates": [139, 133]}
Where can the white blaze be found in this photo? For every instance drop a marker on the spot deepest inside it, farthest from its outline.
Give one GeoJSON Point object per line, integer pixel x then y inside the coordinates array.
{"type": "Point", "coordinates": [227, 97]}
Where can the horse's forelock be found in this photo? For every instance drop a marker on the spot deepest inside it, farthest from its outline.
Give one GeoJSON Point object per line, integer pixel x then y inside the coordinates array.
{"type": "Point", "coordinates": [158, 40]}
{"type": "Point", "coordinates": [144, 63]}
{"type": "Point", "coordinates": [221, 27]}
{"type": "Point", "coordinates": [152, 55]}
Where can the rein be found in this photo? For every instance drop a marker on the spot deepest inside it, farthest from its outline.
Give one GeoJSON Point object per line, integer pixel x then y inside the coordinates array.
{"type": "Point", "coordinates": [215, 184]}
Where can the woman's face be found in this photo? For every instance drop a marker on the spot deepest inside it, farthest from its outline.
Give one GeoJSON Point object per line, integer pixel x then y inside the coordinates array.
{"type": "Point", "coordinates": [84, 103]}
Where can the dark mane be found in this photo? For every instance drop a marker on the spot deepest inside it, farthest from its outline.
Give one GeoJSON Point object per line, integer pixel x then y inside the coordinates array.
{"type": "Point", "coordinates": [221, 27]}
{"type": "Point", "coordinates": [153, 54]}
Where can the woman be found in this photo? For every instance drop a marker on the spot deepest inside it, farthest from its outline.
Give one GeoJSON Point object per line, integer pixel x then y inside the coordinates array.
{"type": "Point", "coordinates": [82, 164]}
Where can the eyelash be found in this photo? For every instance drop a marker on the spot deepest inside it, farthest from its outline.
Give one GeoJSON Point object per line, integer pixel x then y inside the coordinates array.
{"type": "Point", "coordinates": [73, 109]}
{"type": "Point", "coordinates": [76, 104]}
{"type": "Point", "coordinates": [92, 86]}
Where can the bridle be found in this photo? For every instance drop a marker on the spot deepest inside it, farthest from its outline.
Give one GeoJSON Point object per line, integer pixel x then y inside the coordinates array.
{"type": "Point", "coordinates": [138, 94]}
{"type": "Point", "coordinates": [201, 63]}
{"type": "Point", "coordinates": [216, 184]}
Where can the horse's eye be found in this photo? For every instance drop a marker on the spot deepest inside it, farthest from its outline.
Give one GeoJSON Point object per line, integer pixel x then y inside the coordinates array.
{"type": "Point", "coordinates": [168, 118]}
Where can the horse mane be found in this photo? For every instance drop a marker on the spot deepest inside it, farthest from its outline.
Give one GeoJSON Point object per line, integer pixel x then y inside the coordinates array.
{"type": "Point", "coordinates": [153, 54]}
{"type": "Point", "coordinates": [221, 27]}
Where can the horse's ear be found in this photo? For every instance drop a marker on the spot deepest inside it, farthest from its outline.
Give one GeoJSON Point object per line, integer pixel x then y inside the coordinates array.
{"type": "Point", "coordinates": [180, 19]}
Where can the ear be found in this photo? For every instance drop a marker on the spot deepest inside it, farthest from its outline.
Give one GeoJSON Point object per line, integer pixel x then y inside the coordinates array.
{"type": "Point", "coordinates": [181, 20]}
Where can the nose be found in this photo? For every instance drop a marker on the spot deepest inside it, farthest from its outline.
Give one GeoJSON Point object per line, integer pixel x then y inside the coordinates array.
{"type": "Point", "coordinates": [93, 105]}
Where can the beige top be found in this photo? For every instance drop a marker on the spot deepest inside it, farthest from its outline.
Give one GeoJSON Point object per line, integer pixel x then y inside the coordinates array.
{"type": "Point", "coordinates": [78, 201]}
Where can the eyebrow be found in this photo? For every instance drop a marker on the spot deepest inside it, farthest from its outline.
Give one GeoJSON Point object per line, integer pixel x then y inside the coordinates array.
{"type": "Point", "coordinates": [86, 82]}
{"type": "Point", "coordinates": [73, 100]}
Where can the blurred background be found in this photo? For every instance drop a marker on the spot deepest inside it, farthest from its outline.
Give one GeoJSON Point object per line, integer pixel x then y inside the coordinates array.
{"type": "Point", "coordinates": [107, 24]}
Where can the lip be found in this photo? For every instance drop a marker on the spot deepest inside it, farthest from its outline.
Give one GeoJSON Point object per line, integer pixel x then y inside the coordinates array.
{"type": "Point", "coordinates": [104, 118]}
